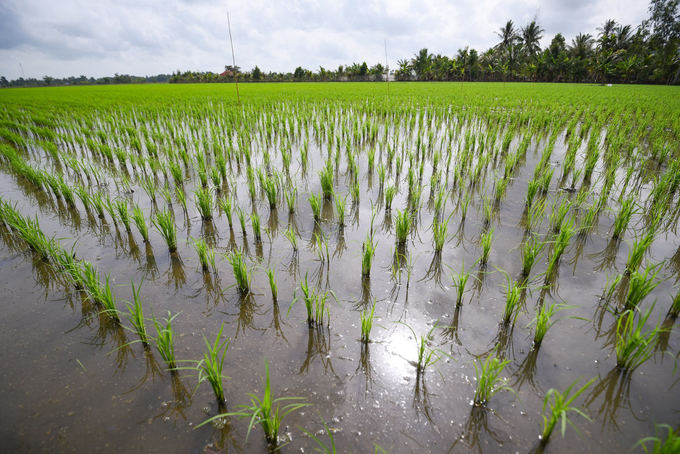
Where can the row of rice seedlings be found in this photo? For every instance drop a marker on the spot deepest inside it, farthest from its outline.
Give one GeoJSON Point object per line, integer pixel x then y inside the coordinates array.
{"type": "Point", "coordinates": [140, 221]}
{"type": "Point", "coordinates": [291, 199]}
{"type": "Point", "coordinates": [164, 342]}
{"type": "Point", "coordinates": [623, 218]}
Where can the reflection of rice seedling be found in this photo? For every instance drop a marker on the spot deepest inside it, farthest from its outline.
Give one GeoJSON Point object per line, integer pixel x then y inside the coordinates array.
{"type": "Point", "coordinates": [559, 407]}
{"type": "Point", "coordinates": [136, 314]}
{"type": "Point", "coordinates": [633, 347]}
{"type": "Point", "coordinates": [164, 221]}
{"type": "Point", "coordinates": [367, 324]}
{"type": "Point", "coordinates": [638, 250]}
{"type": "Point", "coordinates": [674, 311]}
{"type": "Point", "coordinates": [459, 283]}
{"type": "Point", "coordinates": [140, 222]}
{"type": "Point", "coordinates": [368, 252]}
{"type": "Point", "coordinates": [486, 241]}
{"type": "Point", "coordinates": [402, 226]}
{"type": "Point", "coordinates": [165, 339]}
{"type": "Point", "coordinates": [204, 203]}
{"type": "Point", "coordinates": [641, 285]}
{"type": "Point", "coordinates": [315, 203]}
{"type": "Point", "coordinates": [543, 320]}
{"type": "Point", "coordinates": [292, 237]}
{"type": "Point", "coordinates": [271, 274]}
{"type": "Point", "coordinates": [340, 208]}
{"type": "Point", "coordinates": [123, 211]}
{"type": "Point", "coordinates": [488, 379]}
{"type": "Point", "coordinates": [241, 273]}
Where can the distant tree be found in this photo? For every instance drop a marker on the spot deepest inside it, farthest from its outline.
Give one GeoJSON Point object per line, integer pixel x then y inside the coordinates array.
{"type": "Point", "coordinates": [363, 69]}
{"type": "Point", "coordinates": [531, 37]}
{"type": "Point", "coordinates": [48, 80]}
{"type": "Point", "coordinates": [4, 82]}
{"type": "Point", "coordinates": [299, 73]}
{"type": "Point", "coordinates": [508, 35]}
{"type": "Point", "coordinates": [256, 73]}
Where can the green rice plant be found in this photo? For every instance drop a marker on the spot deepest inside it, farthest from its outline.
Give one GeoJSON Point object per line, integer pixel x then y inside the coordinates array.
{"type": "Point", "coordinates": [532, 190]}
{"type": "Point", "coordinates": [226, 205]}
{"type": "Point", "coordinates": [513, 300]}
{"type": "Point", "coordinates": [148, 183]}
{"type": "Point", "coordinates": [111, 209]}
{"type": "Point", "coordinates": [636, 253]}
{"type": "Point", "coordinates": [402, 226]}
{"type": "Point", "coordinates": [589, 220]}
{"type": "Point", "coordinates": [257, 230]}
{"type": "Point", "coordinates": [390, 192]}
{"type": "Point", "coordinates": [211, 366]}
{"type": "Point", "coordinates": [68, 194]}
{"type": "Point", "coordinates": [314, 301]}
{"type": "Point", "coordinates": [98, 204]}
{"type": "Point", "coordinates": [164, 341]}
{"type": "Point", "coordinates": [355, 191]}
{"type": "Point", "coordinates": [322, 446]}
{"type": "Point", "coordinates": [271, 274]}
{"type": "Point", "coordinates": [241, 219]}
{"type": "Point", "coordinates": [559, 246]}
{"type": "Point", "coordinates": [135, 313]}
{"type": "Point", "coordinates": [216, 178]}
{"type": "Point", "coordinates": [123, 210]}
{"type": "Point", "coordinates": [535, 214]}
{"type": "Point", "coordinates": [176, 172]}
{"type": "Point", "coordinates": [463, 204]}
{"type": "Point", "coordinates": [558, 214]}
{"type": "Point", "coordinates": [440, 231]}
{"type": "Point", "coordinates": [367, 324]}
{"type": "Point", "coordinates": [486, 240]}
{"type": "Point", "coordinates": [164, 221]}
{"type": "Point", "coordinates": [204, 203]}
{"type": "Point", "coordinates": [90, 277]}
{"type": "Point", "coordinates": [140, 222]}
{"type": "Point", "coordinates": [544, 320]}
{"type": "Point", "coordinates": [368, 252]}
{"type": "Point", "coordinates": [460, 282]}
{"type": "Point", "coordinates": [633, 346]}
{"type": "Point", "coordinates": [181, 198]}
{"type": "Point", "coordinates": [292, 237]}
{"type": "Point", "coordinates": [341, 209]}
{"type": "Point", "coordinates": [426, 356]}
{"type": "Point", "coordinates": [487, 377]}
{"type": "Point", "coordinates": [242, 274]}
{"type": "Point", "coordinates": [291, 199]}
{"type": "Point", "coordinates": [670, 445]}
{"type": "Point", "coordinates": [107, 298]}
{"type": "Point", "coordinates": [382, 170]}
{"type": "Point", "coordinates": [500, 189]}
{"type": "Point", "coordinates": [326, 177]}
{"type": "Point", "coordinates": [315, 203]}
{"type": "Point", "coordinates": [267, 412]}
{"type": "Point", "coordinates": [206, 255]}
{"type": "Point", "coordinates": [641, 285]}
{"type": "Point", "coordinates": [623, 217]}
{"type": "Point", "coordinates": [559, 404]}
{"type": "Point", "coordinates": [84, 197]}
{"type": "Point", "coordinates": [271, 190]}
{"type": "Point", "coordinates": [531, 253]}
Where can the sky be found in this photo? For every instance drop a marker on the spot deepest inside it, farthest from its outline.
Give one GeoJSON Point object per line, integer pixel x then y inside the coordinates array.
{"type": "Point", "coordinates": [100, 38]}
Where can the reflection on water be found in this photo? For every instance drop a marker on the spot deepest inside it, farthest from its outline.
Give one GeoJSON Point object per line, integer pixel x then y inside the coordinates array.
{"type": "Point", "coordinates": [612, 393]}
{"type": "Point", "coordinates": [475, 430]}
{"type": "Point", "coordinates": [318, 347]}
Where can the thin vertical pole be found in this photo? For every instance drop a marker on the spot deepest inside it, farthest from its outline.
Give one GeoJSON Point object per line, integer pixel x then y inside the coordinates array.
{"type": "Point", "coordinates": [387, 68]}
{"type": "Point", "coordinates": [234, 60]}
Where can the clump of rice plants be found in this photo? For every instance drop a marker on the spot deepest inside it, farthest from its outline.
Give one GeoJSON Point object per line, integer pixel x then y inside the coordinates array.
{"type": "Point", "coordinates": [426, 356]}
{"type": "Point", "coordinates": [271, 190]}
{"type": "Point", "coordinates": [164, 221]}
{"type": "Point", "coordinates": [204, 203]}
{"type": "Point", "coordinates": [641, 285]}
{"type": "Point", "coordinates": [513, 301]}
{"type": "Point", "coordinates": [326, 177]}
{"type": "Point", "coordinates": [623, 217]}
{"type": "Point", "coordinates": [460, 282]}
{"type": "Point", "coordinates": [637, 251]}
{"type": "Point", "coordinates": [486, 240]}
{"type": "Point", "coordinates": [367, 324]}
{"type": "Point", "coordinates": [271, 275]}
{"type": "Point", "coordinates": [315, 203]}
{"type": "Point", "coordinates": [633, 346]}
{"type": "Point", "coordinates": [291, 199]}
{"type": "Point", "coordinates": [241, 220]}
{"type": "Point", "coordinates": [242, 274]}
{"type": "Point", "coordinates": [558, 215]}
{"type": "Point", "coordinates": [560, 244]}
{"type": "Point", "coordinates": [211, 366]}
{"type": "Point", "coordinates": [559, 404]}
{"type": "Point", "coordinates": [135, 313]}
{"type": "Point", "coordinates": [292, 238]}
{"type": "Point", "coordinates": [206, 255]}
{"type": "Point", "coordinates": [531, 253]}
{"type": "Point", "coordinates": [544, 320]}
{"type": "Point", "coordinates": [488, 379]}
{"type": "Point", "coordinates": [440, 234]}
{"type": "Point", "coordinates": [165, 339]}
{"type": "Point", "coordinates": [314, 301]}
{"type": "Point", "coordinates": [368, 252]}
{"type": "Point", "coordinates": [140, 222]}
{"type": "Point", "coordinates": [226, 205]}
{"type": "Point", "coordinates": [390, 192]}
{"type": "Point", "coordinates": [123, 213]}
{"type": "Point", "coordinates": [669, 445]}
{"type": "Point", "coordinates": [107, 298]}
{"type": "Point", "coordinates": [257, 230]}
{"type": "Point", "coordinates": [402, 226]}
{"type": "Point", "coordinates": [340, 209]}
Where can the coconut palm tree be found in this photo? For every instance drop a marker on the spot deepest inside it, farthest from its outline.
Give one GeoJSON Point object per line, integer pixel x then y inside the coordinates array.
{"type": "Point", "coordinates": [421, 62]}
{"type": "Point", "coordinates": [531, 37]}
{"type": "Point", "coordinates": [508, 35]}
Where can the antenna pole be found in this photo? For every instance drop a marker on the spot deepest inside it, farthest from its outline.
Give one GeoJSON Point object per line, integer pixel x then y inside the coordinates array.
{"type": "Point", "coordinates": [234, 60]}
{"type": "Point", "coordinates": [387, 68]}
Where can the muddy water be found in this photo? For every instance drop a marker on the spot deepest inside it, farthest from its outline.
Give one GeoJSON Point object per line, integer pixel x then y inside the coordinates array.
{"type": "Point", "coordinates": [71, 381]}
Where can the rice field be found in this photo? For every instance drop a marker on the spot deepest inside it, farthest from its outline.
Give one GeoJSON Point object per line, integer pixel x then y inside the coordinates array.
{"type": "Point", "coordinates": [440, 268]}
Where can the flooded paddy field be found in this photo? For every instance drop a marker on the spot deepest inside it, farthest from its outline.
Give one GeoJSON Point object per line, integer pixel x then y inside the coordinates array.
{"type": "Point", "coordinates": [381, 256]}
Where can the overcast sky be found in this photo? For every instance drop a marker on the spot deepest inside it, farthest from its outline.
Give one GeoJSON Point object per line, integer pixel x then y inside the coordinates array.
{"type": "Point", "coordinates": [147, 37]}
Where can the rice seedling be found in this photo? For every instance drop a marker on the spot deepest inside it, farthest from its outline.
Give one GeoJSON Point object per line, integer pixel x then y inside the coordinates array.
{"type": "Point", "coordinates": [135, 313]}
{"type": "Point", "coordinates": [242, 274]}
{"type": "Point", "coordinates": [623, 217]}
{"type": "Point", "coordinates": [532, 190]}
{"type": "Point", "coordinates": [402, 226]}
{"type": "Point", "coordinates": [558, 214]}
{"type": "Point", "coordinates": [426, 356]}
{"type": "Point", "coordinates": [123, 210]}
{"type": "Point", "coordinates": [389, 197]}
{"type": "Point", "coordinates": [291, 199]}
{"type": "Point", "coordinates": [107, 298]}
{"type": "Point", "coordinates": [531, 253]}
{"type": "Point", "coordinates": [271, 190]}
{"type": "Point", "coordinates": [216, 179]}
{"type": "Point", "coordinates": [674, 310]}
{"type": "Point", "coordinates": [460, 282]}
{"type": "Point", "coordinates": [257, 231]}
{"type": "Point", "coordinates": [165, 339]}
{"type": "Point", "coordinates": [266, 411]}
{"type": "Point", "coordinates": [149, 185]}
{"type": "Point", "coordinates": [544, 320]}
{"type": "Point", "coordinates": [633, 346]}
{"type": "Point", "coordinates": [176, 172]}
{"type": "Point", "coordinates": [315, 203]}
{"type": "Point", "coordinates": [669, 445]}
{"type": "Point", "coordinates": [206, 255]}
{"type": "Point", "coordinates": [326, 177]}
{"type": "Point", "coordinates": [440, 232]}
{"type": "Point", "coordinates": [204, 203]}
{"type": "Point", "coordinates": [368, 252]}
{"type": "Point", "coordinates": [463, 204]}
{"type": "Point", "coordinates": [487, 377]}
{"type": "Point", "coordinates": [355, 191]}
{"type": "Point", "coordinates": [559, 246]}
{"type": "Point", "coordinates": [486, 240]}
{"type": "Point", "coordinates": [513, 301]}
{"type": "Point", "coordinates": [534, 215]}
{"type": "Point", "coordinates": [367, 324]}
{"type": "Point", "coordinates": [90, 277]}
{"type": "Point", "coordinates": [292, 238]}
{"type": "Point", "coordinates": [211, 366]}
{"type": "Point", "coordinates": [271, 275]}
{"type": "Point", "coordinates": [182, 198]}
{"type": "Point", "coordinates": [140, 222]}
{"type": "Point", "coordinates": [68, 194]}
{"type": "Point", "coordinates": [641, 285]}
{"type": "Point", "coordinates": [341, 209]}
{"type": "Point", "coordinates": [241, 220]}
{"type": "Point", "coordinates": [84, 197]}
{"type": "Point", "coordinates": [98, 204]}
{"type": "Point", "coordinates": [560, 405]}
{"type": "Point", "coordinates": [637, 251]}
{"type": "Point", "coordinates": [314, 301]}
{"type": "Point", "coordinates": [164, 221]}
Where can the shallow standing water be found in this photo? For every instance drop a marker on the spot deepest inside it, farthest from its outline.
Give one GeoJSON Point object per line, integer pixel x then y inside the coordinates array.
{"type": "Point", "coordinates": [71, 380]}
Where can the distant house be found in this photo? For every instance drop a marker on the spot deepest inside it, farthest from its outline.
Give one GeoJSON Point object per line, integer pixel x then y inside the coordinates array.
{"type": "Point", "coordinates": [226, 73]}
